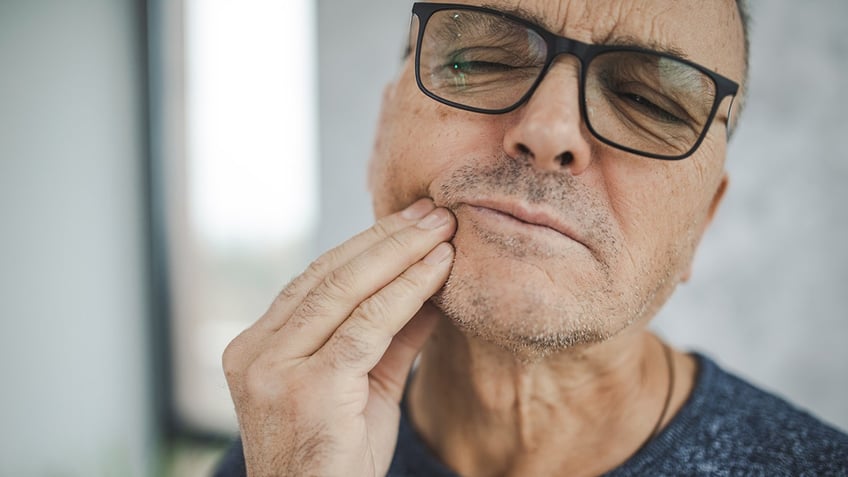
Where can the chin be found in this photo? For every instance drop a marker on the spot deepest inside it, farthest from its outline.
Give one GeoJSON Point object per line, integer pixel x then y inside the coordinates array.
{"type": "Point", "coordinates": [513, 303]}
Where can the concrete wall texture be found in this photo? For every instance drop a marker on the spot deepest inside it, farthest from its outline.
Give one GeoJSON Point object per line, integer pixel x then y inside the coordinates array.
{"type": "Point", "coordinates": [769, 293]}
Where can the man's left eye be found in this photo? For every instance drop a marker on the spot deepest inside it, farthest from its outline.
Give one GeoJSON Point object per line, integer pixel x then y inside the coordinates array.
{"type": "Point", "coordinates": [481, 67]}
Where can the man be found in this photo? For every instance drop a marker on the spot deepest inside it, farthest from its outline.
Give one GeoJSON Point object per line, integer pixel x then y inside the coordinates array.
{"type": "Point", "coordinates": [542, 175]}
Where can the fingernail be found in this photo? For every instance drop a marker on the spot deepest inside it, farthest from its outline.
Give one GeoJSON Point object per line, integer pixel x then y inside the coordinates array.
{"type": "Point", "coordinates": [418, 209]}
{"type": "Point", "coordinates": [442, 252]}
{"type": "Point", "coordinates": [436, 218]}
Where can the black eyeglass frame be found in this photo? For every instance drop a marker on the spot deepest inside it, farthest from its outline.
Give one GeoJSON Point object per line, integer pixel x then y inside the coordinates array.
{"type": "Point", "coordinates": [585, 53]}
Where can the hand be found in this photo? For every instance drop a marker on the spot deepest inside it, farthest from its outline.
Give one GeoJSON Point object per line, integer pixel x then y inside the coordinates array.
{"type": "Point", "coordinates": [317, 380]}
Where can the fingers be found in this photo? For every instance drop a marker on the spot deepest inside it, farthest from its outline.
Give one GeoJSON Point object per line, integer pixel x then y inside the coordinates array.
{"type": "Point", "coordinates": [337, 320]}
{"type": "Point", "coordinates": [292, 295]}
{"type": "Point", "coordinates": [244, 348]}
{"type": "Point", "coordinates": [349, 287]}
{"type": "Point", "coordinates": [361, 341]}
{"type": "Point", "coordinates": [390, 374]}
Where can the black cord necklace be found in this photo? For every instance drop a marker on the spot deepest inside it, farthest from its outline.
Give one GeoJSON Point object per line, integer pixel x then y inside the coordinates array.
{"type": "Point", "coordinates": [670, 364]}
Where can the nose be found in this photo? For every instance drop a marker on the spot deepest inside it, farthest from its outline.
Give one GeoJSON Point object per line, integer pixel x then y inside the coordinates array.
{"type": "Point", "coordinates": [549, 129]}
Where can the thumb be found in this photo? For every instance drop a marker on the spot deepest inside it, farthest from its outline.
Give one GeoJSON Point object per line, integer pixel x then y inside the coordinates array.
{"type": "Point", "coordinates": [393, 369]}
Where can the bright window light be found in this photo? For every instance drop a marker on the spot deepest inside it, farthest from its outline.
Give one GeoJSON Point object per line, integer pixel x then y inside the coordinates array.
{"type": "Point", "coordinates": [244, 213]}
{"type": "Point", "coordinates": [250, 120]}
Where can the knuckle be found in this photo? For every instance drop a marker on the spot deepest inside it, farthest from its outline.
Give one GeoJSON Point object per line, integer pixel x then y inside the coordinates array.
{"type": "Point", "coordinates": [300, 320]}
{"type": "Point", "coordinates": [373, 311]}
{"type": "Point", "coordinates": [314, 273]}
{"type": "Point", "coordinates": [397, 243]}
{"type": "Point", "coordinates": [321, 300]}
{"type": "Point", "coordinates": [408, 284]}
{"type": "Point", "coordinates": [382, 228]}
{"type": "Point", "coordinates": [255, 379]}
{"type": "Point", "coordinates": [316, 304]}
{"type": "Point", "coordinates": [233, 358]}
{"type": "Point", "coordinates": [338, 283]}
{"type": "Point", "coordinates": [230, 357]}
{"type": "Point", "coordinates": [267, 378]}
{"type": "Point", "coordinates": [289, 292]}
{"type": "Point", "coordinates": [350, 346]}
{"type": "Point", "coordinates": [321, 266]}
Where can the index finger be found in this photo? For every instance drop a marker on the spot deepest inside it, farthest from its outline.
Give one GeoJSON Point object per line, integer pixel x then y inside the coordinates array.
{"type": "Point", "coordinates": [291, 296]}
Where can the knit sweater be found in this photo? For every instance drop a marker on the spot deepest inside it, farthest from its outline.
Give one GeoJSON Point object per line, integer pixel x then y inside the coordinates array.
{"type": "Point", "coordinates": [727, 427]}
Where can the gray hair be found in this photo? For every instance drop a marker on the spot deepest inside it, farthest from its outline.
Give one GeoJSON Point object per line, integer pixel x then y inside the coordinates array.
{"type": "Point", "coordinates": [738, 103]}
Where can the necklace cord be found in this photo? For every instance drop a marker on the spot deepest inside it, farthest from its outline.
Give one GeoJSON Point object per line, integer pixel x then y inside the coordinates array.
{"type": "Point", "coordinates": [670, 363]}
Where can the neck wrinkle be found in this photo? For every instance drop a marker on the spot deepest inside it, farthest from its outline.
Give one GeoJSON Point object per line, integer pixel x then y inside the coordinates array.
{"type": "Point", "coordinates": [482, 411]}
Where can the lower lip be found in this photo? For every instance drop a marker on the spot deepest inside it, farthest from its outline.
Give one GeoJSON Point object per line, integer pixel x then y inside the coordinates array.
{"type": "Point", "coordinates": [495, 219]}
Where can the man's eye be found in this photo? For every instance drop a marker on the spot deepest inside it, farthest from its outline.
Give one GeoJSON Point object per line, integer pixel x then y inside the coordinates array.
{"type": "Point", "coordinates": [487, 59]}
{"type": "Point", "coordinates": [471, 67]}
{"type": "Point", "coordinates": [647, 107]}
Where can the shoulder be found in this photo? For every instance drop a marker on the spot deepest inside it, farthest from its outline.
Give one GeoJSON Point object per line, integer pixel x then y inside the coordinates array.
{"type": "Point", "coordinates": [729, 426]}
{"type": "Point", "coordinates": [232, 462]}
{"type": "Point", "coordinates": [742, 412]}
{"type": "Point", "coordinates": [766, 429]}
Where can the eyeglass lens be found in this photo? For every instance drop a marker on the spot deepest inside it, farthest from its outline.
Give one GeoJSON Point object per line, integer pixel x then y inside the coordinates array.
{"type": "Point", "coordinates": [646, 102]}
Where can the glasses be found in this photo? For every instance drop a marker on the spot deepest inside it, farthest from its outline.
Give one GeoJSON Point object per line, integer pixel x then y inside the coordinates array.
{"type": "Point", "coordinates": [642, 101]}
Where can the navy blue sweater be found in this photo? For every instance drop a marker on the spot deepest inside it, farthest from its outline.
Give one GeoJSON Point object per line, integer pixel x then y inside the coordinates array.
{"type": "Point", "coordinates": [727, 427]}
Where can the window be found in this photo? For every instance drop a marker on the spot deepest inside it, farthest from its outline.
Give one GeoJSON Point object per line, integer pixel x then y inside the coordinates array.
{"type": "Point", "coordinates": [239, 178]}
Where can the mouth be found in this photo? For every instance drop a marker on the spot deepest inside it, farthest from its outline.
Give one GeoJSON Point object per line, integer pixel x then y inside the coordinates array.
{"type": "Point", "coordinates": [525, 218]}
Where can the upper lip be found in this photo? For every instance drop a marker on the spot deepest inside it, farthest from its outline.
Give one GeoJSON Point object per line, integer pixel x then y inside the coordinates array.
{"type": "Point", "coordinates": [530, 214]}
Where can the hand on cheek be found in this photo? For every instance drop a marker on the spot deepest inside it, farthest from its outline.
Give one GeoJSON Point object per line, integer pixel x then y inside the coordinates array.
{"type": "Point", "coordinates": [317, 379]}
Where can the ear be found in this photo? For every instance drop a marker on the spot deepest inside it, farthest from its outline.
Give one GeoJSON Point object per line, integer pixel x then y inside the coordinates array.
{"type": "Point", "coordinates": [717, 197]}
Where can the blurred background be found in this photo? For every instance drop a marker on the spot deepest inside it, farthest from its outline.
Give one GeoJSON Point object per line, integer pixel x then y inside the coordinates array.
{"type": "Point", "coordinates": [167, 166]}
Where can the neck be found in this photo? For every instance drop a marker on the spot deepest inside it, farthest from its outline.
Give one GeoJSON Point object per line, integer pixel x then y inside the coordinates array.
{"type": "Point", "coordinates": [583, 411]}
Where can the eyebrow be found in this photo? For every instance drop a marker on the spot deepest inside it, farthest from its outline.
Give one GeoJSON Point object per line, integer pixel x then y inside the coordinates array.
{"type": "Point", "coordinates": [625, 40]}
{"type": "Point", "coordinates": [652, 45]}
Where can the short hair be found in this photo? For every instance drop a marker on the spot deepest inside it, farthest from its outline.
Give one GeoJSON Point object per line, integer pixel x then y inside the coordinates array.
{"type": "Point", "coordinates": [745, 16]}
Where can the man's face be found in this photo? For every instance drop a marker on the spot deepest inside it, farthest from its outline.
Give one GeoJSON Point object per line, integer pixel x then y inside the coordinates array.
{"type": "Point", "coordinates": [617, 231]}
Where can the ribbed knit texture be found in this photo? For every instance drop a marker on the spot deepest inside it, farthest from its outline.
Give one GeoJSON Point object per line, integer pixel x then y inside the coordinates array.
{"type": "Point", "coordinates": [727, 427]}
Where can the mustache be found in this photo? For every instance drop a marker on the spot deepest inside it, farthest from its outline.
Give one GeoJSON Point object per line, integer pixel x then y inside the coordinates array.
{"type": "Point", "coordinates": [517, 179]}
{"type": "Point", "coordinates": [514, 178]}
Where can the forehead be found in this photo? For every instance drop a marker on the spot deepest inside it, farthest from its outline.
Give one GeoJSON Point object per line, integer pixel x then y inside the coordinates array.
{"type": "Point", "coordinates": [708, 32]}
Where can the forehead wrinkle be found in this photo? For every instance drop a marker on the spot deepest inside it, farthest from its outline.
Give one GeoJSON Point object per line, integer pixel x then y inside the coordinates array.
{"type": "Point", "coordinates": [602, 38]}
{"type": "Point", "coordinates": [521, 12]}
{"type": "Point", "coordinates": [554, 23]}
{"type": "Point", "coordinates": [653, 24]}
{"type": "Point", "coordinates": [644, 24]}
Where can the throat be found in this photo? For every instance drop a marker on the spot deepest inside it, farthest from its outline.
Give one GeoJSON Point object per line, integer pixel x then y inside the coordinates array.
{"type": "Point", "coordinates": [482, 412]}
{"type": "Point", "coordinates": [528, 430]}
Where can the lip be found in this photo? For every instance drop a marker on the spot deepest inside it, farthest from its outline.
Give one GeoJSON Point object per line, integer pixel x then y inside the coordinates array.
{"type": "Point", "coordinates": [529, 215]}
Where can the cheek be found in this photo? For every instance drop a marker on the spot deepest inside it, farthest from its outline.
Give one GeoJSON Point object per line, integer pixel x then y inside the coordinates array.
{"type": "Point", "coordinates": [409, 161]}
{"type": "Point", "coordinates": [392, 175]}
{"type": "Point", "coordinates": [661, 208]}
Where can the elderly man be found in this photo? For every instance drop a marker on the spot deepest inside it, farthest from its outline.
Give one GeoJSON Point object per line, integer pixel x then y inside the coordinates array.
{"type": "Point", "coordinates": [542, 175]}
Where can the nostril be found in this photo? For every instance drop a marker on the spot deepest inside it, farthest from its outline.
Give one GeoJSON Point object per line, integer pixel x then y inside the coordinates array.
{"type": "Point", "coordinates": [523, 149]}
{"type": "Point", "coordinates": [565, 158]}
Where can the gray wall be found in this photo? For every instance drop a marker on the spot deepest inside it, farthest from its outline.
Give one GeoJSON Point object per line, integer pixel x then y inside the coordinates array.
{"type": "Point", "coordinates": [74, 399]}
{"type": "Point", "coordinates": [770, 288]}
{"type": "Point", "coordinates": [768, 295]}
